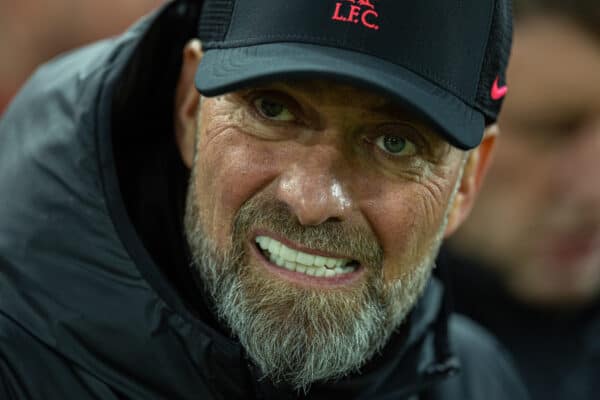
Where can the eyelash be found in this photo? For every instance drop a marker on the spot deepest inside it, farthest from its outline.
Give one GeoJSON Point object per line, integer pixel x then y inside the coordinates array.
{"type": "Point", "coordinates": [421, 146]}
{"type": "Point", "coordinates": [251, 101]}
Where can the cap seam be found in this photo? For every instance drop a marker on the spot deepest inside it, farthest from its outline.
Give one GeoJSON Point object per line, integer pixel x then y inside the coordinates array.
{"type": "Point", "coordinates": [309, 39]}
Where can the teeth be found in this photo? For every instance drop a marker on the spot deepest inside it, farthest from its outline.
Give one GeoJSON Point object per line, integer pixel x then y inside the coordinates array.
{"type": "Point", "coordinates": [301, 262]}
{"type": "Point", "coordinates": [306, 259]}
{"type": "Point", "coordinates": [274, 247]}
{"type": "Point", "coordinates": [301, 268]}
{"type": "Point", "coordinates": [278, 260]}
{"type": "Point", "coordinates": [320, 261]}
{"type": "Point", "coordinates": [290, 265]}
{"type": "Point", "coordinates": [287, 253]}
{"type": "Point", "coordinates": [264, 241]}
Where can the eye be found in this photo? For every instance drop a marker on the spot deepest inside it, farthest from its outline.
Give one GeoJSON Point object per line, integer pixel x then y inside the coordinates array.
{"type": "Point", "coordinates": [396, 145]}
{"type": "Point", "coordinates": [273, 110]}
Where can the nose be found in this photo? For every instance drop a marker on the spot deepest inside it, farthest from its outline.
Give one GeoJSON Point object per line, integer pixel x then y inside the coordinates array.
{"type": "Point", "coordinates": [314, 185]}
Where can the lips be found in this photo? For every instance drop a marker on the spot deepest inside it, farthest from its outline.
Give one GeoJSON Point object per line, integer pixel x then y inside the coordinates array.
{"type": "Point", "coordinates": [302, 262]}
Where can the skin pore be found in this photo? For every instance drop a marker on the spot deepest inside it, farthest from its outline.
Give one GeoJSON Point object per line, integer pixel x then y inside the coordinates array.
{"type": "Point", "coordinates": [326, 170]}
{"type": "Point", "coordinates": [540, 206]}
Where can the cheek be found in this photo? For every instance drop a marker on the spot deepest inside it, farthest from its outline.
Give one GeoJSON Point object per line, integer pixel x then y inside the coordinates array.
{"type": "Point", "coordinates": [407, 221]}
{"type": "Point", "coordinates": [230, 170]}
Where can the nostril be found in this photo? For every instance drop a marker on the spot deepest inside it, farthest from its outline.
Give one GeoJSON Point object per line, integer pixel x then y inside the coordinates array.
{"type": "Point", "coordinates": [333, 220]}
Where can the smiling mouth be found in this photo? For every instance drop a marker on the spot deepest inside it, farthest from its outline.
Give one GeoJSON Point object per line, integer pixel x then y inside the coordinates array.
{"type": "Point", "coordinates": [305, 263]}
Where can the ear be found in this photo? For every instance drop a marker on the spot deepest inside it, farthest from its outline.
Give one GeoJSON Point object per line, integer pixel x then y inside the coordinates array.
{"type": "Point", "coordinates": [476, 167]}
{"type": "Point", "coordinates": [186, 102]}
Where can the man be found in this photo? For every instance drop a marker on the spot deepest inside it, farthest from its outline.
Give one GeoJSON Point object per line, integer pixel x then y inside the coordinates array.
{"type": "Point", "coordinates": [527, 261]}
{"type": "Point", "coordinates": [305, 160]}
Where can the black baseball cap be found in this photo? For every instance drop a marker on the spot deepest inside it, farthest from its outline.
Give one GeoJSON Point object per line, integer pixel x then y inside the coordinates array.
{"type": "Point", "coordinates": [444, 60]}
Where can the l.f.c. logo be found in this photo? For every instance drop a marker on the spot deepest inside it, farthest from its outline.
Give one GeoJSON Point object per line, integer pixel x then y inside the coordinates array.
{"type": "Point", "coordinates": [356, 11]}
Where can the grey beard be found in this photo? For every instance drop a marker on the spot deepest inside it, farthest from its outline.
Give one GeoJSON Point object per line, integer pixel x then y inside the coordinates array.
{"type": "Point", "coordinates": [301, 335]}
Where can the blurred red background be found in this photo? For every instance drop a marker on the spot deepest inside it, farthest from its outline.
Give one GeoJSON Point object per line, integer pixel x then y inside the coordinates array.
{"type": "Point", "coordinates": [33, 31]}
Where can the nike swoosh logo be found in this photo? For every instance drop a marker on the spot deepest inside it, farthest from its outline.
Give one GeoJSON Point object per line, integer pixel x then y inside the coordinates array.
{"type": "Point", "coordinates": [497, 91]}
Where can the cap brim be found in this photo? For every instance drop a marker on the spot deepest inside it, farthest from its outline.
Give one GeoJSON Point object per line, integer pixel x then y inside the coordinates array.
{"type": "Point", "coordinates": [230, 69]}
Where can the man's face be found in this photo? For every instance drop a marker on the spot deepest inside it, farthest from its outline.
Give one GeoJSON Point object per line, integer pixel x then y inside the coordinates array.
{"type": "Point", "coordinates": [314, 213]}
{"type": "Point", "coordinates": [540, 207]}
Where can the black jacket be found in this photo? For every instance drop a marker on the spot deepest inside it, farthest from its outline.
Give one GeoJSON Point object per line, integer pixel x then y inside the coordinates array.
{"type": "Point", "coordinates": [557, 352]}
{"type": "Point", "coordinates": [94, 303]}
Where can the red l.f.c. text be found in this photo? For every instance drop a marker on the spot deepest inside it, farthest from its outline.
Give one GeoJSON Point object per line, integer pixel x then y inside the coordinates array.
{"type": "Point", "coordinates": [359, 11]}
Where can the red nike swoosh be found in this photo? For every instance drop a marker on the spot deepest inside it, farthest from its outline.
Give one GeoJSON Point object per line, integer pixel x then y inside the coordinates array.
{"type": "Point", "coordinates": [498, 92]}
